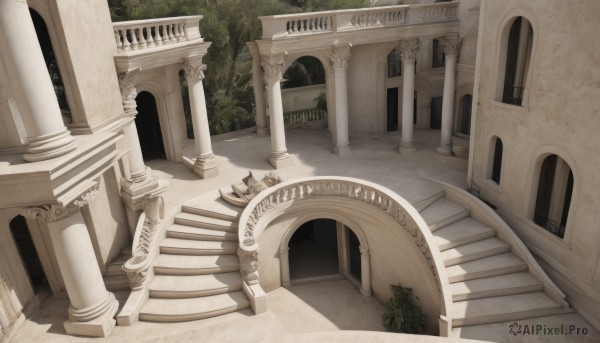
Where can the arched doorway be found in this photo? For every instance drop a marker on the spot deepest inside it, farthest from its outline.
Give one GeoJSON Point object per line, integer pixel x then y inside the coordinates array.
{"type": "Point", "coordinates": [28, 253]}
{"type": "Point", "coordinates": [303, 91]}
{"type": "Point", "coordinates": [148, 127]}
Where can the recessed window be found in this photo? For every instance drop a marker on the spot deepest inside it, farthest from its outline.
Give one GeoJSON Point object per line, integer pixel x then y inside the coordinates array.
{"type": "Point", "coordinates": [466, 103]}
{"type": "Point", "coordinates": [438, 55]}
{"type": "Point", "coordinates": [497, 160]}
{"type": "Point", "coordinates": [514, 61]}
{"type": "Point", "coordinates": [394, 63]}
{"type": "Point", "coordinates": [553, 198]}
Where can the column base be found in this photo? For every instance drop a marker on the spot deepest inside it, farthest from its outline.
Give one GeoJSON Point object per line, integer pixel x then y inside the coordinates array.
{"type": "Point", "coordinates": [280, 160]}
{"type": "Point", "coordinates": [342, 150]}
{"type": "Point", "coordinates": [133, 192]}
{"type": "Point", "coordinates": [263, 131]}
{"type": "Point", "coordinates": [49, 146]}
{"type": "Point", "coordinates": [206, 167]}
{"type": "Point", "coordinates": [366, 293]}
{"type": "Point", "coordinates": [444, 150]}
{"type": "Point", "coordinates": [406, 147]}
{"type": "Point", "coordinates": [99, 327]}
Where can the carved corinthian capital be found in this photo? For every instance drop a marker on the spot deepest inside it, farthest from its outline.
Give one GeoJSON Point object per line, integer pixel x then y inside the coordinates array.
{"type": "Point", "coordinates": [450, 46]}
{"type": "Point", "coordinates": [128, 90]}
{"type": "Point", "coordinates": [340, 57]}
{"type": "Point", "coordinates": [409, 49]}
{"type": "Point", "coordinates": [193, 70]}
{"type": "Point", "coordinates": [273, 67]}
{"type": "Point", "coordinates": [55, 212]}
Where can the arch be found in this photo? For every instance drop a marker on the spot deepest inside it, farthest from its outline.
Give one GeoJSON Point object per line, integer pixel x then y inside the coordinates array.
{"type": "Point", "coordinates": [394, 63]}
{"type": "Point", "coordinates": [466, 89]}
{"type": "Point", "coordinates": [365, 287]}
{"type": "Point", "coordinates": [494, 159]}
{"type": "Point", "coordinates": [151, 139]}
{"type": "Point", "coordinates": [516, 72]}
{"type": "Point", "coordinates": [536, 167]}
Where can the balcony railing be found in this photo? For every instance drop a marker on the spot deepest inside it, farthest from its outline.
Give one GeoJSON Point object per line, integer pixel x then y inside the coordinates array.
{"type": "Point", "coordinates": [290, 25]}
{"type": "Point", "coordinates": [152, 33]}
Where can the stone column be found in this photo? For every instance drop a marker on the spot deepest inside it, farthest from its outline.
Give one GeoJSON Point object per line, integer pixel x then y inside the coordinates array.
{"type": "Point", "coordinates": [284, 262]}
{"type": "Point", "coordinates": [140, 180]}
{"type": "Point", "coordinates": [273, 66]}
{"type": "Point", "coordinates": [408, 50]}
{"type": "Point", "coordinates": [451, 48]}
{"type": "Point", "coordinates": [92, 308]}
{"type": "Point", "coordinates": [22, 55]}
{"type": "Point", "coordinates": [259, 94]}
{"type": "Point", "coordinates": [339, 62]}
{"type": "Point", "coordinates": [205, 165]}
{"type": "Point", "coordinates": [365, 272]}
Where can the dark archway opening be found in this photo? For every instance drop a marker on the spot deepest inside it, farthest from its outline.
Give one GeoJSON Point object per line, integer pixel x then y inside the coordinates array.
{"type": "Point", "coordinates": [466, 106]}
{"type": "Point", "coordinates": [392, 109]}
{"type": "Point", "coordinates": [43, 36]}
{"type": "Point", "coordinates": [148, 127]}
{"type": "Point", "coordinates": [29, 256]}
{"type": "Point", "coordinates": [314, 250]}
{"type": "Point", "coordinates": [355, 258]}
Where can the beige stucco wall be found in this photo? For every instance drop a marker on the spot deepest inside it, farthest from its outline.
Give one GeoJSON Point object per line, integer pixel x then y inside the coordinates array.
{"type": "Point", "coordinates": [560, 116]}
{"type": "Point", "coordinates": [300, 98]}
{"type": "Point", "coordinates": [394, 258]}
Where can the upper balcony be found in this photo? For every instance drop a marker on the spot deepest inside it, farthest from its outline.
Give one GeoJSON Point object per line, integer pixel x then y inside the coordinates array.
{"type": "Point", "coordinates": [357, 25]}
{"type": "Point", "coordinates": [152, 43]}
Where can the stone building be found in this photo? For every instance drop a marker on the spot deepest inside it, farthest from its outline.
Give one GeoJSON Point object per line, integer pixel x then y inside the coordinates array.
{"type": "Point", "coordinates": [86, 103]}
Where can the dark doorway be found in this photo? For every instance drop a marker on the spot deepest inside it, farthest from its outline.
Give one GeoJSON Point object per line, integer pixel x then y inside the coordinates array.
{"type": "Point", "coordinates": [392, 109]}
{"type": "Point", "coordinates": [313, 250]}
{"type": "Point", "coordinates": [415, 110]}
{"type": "Point", "coordinates": [435, 121]}
{"type": "Point", "coordinates": [465, 123]}
{"type": "Point", "coordinates": [29, 256]}
{"type": "Point", "coordinates": [354, 250]}
{"type": "Point", "coordinates": [148, 127]}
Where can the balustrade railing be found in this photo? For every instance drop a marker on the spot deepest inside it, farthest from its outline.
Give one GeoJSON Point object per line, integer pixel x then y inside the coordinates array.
{"type": "Point", "coordinates": [152, 33]}
{"type": "Point", "coordinates": [304, 116]}
{"type": "Point", "coordinates": [288, 25]}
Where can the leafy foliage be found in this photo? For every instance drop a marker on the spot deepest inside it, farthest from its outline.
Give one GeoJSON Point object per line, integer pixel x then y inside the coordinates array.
{"type": "Point", "coordinates": [403, 312]}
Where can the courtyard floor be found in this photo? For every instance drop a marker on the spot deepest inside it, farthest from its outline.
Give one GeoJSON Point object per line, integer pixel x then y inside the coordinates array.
{"type": "Point", "coordinates": [312, 312]}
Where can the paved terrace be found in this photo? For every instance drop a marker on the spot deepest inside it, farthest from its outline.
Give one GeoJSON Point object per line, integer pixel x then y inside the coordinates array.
{"type": "Point", "coordinates": [312, 312]}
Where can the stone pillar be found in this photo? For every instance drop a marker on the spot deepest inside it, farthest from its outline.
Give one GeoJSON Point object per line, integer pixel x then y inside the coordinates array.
{"type": "Point", "coordinates": [365, 272]}
{"type": "Point", "coordinates": [408, 50]}
{"type": "Point", "coordinates": [259, 94]}
{"type": "Point", "coordinates": [92, 308]}
{"type": "Point", "coordinates": [284, 262]}
{"type": "Point", "coordinates": [140, 181]}
{"type": "Point", "coordinates": [451, 48]}
{"type": "Point", "coordinates": [339, 59]}
{"type": "Point", "coordinates": [22, 55]}
{"type": "Point", "coordinates": [273, 66]}
{"type": "Point", "coordinates": [205, 165]}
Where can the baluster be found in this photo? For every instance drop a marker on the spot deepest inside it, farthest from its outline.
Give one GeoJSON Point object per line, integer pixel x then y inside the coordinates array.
{"type": "Point", "coordinates": [134, 41]}
{"type": "Point", "coordinates": [126, 43]}
{"type": "Point", "coordinates": [176, 32]}
{"type": "Point", "coordinates": [118, 40]}
{"type": "Point", "coordinates": [169, 33]}
{"type": "Point", "coordinates": [181, 32]}
{"type": "Point", "coordinates": [141, 39]}
{"type": "Point", "coordinates": [184, 32]}
{"type": "Point", "coordinates": [157, 36]}
{"type": "Point", "coordinates": [150, 36]}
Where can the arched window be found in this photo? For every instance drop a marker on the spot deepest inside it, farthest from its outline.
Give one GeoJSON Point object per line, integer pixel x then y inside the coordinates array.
{"type": "Point", "coordinates": [515, 61]}
{"type": "Point", "coordinates": [553, 198]}
{"type": "Point", "coordinates": [438, 59]}
{"type": "Point", "coordinates": [496, 150]}
{"type": "Point", "coordinates": [394, 63]}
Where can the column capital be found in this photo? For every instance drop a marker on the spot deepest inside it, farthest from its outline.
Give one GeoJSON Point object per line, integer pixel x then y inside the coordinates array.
{"type": "Point", "coordinates": [340, 56]}
{"type": "Point", "coordinates": [409, 49]}
{"type": "Point", "coordinates": [56, 212]}
{"type": "Point", "coordinates": [193, 70]}
{"type": "Point", "coordinates": [273, 66]}
{"type": "Point", "coordinates": [450, 46]}
{"type": "Point", "coordinates": [127, 86]}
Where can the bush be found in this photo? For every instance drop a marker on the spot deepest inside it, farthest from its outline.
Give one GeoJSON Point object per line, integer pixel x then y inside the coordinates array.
{"type": "Point", "coordinates": [403, 312]}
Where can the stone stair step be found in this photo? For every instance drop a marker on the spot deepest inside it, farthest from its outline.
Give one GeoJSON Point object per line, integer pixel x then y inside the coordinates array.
{"type": "Point", "coordinates": [443, 212]}
{"type": "Point", "coordinates": [199, 234]}
{"type": "Point", "coordinates": [204, 222]}
{"type": "Point", "coordinates": [503, 308]}
{"type": "Point", "coordinates": [117, 282]}
{"type": "Point", "coordinates": [495, 286]}
{"type": "Point", "coordinates": [116, 266]}
{"type": "Point", "coordinates": [490, 266]}
{"type": "Point", "coordinates": [464, 231]}
{"type": "Point", "coordinates": [195, 265]}
{"type": "Point", "coordinates": [423, 204]}
{"type": "Point", "coordinates": [192, 286]}
{"type": "Point", "coordinates": [474, 251]}
{"type": "Point", "coordinates": [178, 310]}
{"type": "Point", "coordinates": [178, 246]}
{"type": "Point", "coordinates": [211, 205]}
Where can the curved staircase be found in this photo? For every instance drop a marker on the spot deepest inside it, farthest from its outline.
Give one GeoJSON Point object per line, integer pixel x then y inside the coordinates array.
{"type": "Point", "coordinates": [197, 273]}
{"type": "Point", "coordinates": [492, 278]}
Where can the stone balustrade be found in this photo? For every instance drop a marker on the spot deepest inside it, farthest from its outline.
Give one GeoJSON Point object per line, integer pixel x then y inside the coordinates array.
{"type": "Point", "coordinates": [289, 25]}
{"type": "Point", "coordinates": [304, 116]}
{"type": "Point", "coordinates": [152, 33]}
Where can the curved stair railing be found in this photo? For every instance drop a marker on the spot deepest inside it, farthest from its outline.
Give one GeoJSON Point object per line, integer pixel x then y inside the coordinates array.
{"type": "Point", "coordinates": [150, 230]}
{"type": "Point", "coordinates": [482, 212]}
{"type": "Point", "coordinates": [273, 201]}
